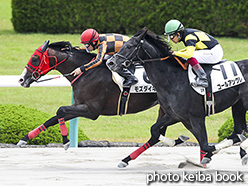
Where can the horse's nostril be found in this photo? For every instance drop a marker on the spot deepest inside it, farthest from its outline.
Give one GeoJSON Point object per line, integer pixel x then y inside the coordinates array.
{"type": "Point", "coordinates": [21, 80]}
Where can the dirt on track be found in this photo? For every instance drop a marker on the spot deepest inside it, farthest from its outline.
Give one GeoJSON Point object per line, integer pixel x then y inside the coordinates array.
{"type": "Point", "coordinates": [98, 166]}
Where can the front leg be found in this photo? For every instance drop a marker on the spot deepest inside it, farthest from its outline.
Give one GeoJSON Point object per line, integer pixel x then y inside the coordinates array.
{"type": "Point", "coordinates": [64, 113]}
{"type": "Point", "coordinates": [156, 130]}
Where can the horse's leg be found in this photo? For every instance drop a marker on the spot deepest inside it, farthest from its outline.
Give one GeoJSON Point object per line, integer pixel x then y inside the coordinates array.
{"type": "Point", "coordinates": [66, 112]}
{"type": "Point", "coordinates": [239, 117]}
{"type": "Point", "coordinates": [198, 129]}
{"type": "Point", "coordinates": [244, 151]}
{"type": "Point", "coordinates": [156, 130]}
{"type": "Point", "coordinates": [169, 141]}
{"type": "Point", "coordinates": [52, 121]}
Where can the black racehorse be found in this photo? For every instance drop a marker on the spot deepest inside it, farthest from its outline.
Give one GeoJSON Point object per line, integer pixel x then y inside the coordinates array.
{"type": "Point", "coordinates": [95, 93]}
{"type": "Point", "coordinates": [177, 98]}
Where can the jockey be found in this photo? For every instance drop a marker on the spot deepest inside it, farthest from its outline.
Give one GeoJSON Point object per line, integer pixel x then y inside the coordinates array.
{"type": "Point", "coordinates": [200, 48]}
{"type": "Point", "coordinates": [107, 45]}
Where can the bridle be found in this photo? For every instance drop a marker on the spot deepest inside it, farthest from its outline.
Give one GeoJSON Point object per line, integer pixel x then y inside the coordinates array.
{"type": "Point", "coordinates": [38, 72]}
{"type": "Point", "coordinates": [128, 61]}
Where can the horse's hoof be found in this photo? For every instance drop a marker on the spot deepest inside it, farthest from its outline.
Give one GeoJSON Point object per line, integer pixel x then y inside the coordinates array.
{"type": "Point", "coordinates": [241, 137]}
{"type": "Point", "coordinates": [205, 160]}
{"type": "Point", "coordinates": [244, 160]}
{"type": "Point", "coordinates": [122, 164]}
{"type": "Point", "coordinates": [183, 138]}
{"type": "Point", "coordinates": [67, 145]}
{"type": "Point", "coordinates": [21, 142]}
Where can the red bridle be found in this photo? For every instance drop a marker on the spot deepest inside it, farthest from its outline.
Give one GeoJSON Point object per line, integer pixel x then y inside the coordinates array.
{"type": "Point", "coordinates": [42, 67]}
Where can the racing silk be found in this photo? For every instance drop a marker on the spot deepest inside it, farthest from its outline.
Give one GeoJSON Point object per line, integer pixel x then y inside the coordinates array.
{"type": "Point", "coordinates": [195, 40]}
{"type": "Point", "coordinates": [108, 44]}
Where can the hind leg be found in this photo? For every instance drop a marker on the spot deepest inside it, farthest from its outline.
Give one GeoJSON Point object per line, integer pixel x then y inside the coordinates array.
{"type": "Point", "coordinates": [239, 118]}
{"type": "Point", "coordinates": [238, 112]}
{"type": "Point", "coordinates": [243, 152]}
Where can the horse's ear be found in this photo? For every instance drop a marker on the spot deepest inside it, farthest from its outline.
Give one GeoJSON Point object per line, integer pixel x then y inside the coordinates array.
{"type": "Point", "coordinates": [45, 45]}
{"type": "Point", "coordinates": [142, 33]}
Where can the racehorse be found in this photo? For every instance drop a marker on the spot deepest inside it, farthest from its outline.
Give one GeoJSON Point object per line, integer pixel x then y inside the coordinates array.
{"type": "Point", "coordinates": [178, 100]}
{"type": "Point", "coordinates": [95, 93]}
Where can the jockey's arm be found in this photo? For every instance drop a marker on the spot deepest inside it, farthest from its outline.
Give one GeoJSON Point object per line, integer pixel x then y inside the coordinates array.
{"type": "Point", "coordinates": [186, 52]}
{"type": "Point", "coordinates": [99, 58]}
{"type": "Point", "coordinates": [190, 43]}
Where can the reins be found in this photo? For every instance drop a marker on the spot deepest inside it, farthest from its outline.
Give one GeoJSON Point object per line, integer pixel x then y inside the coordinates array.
{"type": "Point", "coordinates": [184, 66]}
{"type": "Point", "coordinates": [142, 61]}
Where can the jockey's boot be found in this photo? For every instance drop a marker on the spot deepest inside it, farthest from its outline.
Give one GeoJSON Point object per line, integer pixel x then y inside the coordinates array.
{"type": "Point", "coordinates": [202, 77]}
{"type": "Point", "coordinates": [130, 79]}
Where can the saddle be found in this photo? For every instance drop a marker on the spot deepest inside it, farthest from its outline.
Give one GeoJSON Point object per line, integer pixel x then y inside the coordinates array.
{"type": "Point", "coordinates": [221, 76]}
{"type": "Point", "coordinates": [143, 86]}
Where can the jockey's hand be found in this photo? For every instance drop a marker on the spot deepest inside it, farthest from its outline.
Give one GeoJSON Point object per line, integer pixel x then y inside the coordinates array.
{"type": "Point", "coordinates": [76, 72]}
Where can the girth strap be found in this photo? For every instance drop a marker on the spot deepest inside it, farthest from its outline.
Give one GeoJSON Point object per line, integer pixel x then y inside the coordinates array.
{"type": "Point", "coordinates": [123, 101]}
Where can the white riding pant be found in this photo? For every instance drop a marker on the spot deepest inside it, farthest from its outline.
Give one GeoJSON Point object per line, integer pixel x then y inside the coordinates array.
{"type": "Point", "coordinates": [209, 56]}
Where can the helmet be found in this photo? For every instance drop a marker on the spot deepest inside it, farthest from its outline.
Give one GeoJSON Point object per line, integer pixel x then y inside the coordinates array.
{"type": "Point", "coordinates": [89, 36]}
{"type": "Point", "coordinates": [172, 27]}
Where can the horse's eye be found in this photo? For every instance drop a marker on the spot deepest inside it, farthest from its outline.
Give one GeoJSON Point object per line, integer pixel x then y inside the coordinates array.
{"type": "Point", "coordinates": [35, 61]}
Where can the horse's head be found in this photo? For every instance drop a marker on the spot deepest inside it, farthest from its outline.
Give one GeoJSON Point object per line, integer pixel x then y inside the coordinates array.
{"type": "Point", "coordinates": [38, 65]}
{"type": "Point", "coordinates": [128, 51]}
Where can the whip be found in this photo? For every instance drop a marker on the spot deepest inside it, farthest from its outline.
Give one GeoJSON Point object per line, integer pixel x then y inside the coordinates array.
{"type": "Point", "coordinates": [56, 77]}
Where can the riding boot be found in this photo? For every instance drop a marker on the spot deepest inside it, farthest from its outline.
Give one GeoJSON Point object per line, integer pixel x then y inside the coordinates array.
{"type": "Point", "coordinates": [130, 79]}
{"type": "Point", "coordinates": [202, 77]}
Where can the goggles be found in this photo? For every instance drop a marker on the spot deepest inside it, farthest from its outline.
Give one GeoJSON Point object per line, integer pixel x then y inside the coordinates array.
{"type": "Point", "coordinates": [171, 37]}
{"type": "Point", "coordinates": [86, 47]}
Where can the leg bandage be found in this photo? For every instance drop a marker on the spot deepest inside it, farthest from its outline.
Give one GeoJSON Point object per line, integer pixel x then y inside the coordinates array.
{"type": "Point", "coordinates": [62, 126]}
{"type": "Point", "coordinates": [167, 141]}
{"type": "Point", "coordinates": [223, 144]}
{"type": "Point", "coordinates": [136, 153]}
{"type": "Point", "coordinates": [36, 131]}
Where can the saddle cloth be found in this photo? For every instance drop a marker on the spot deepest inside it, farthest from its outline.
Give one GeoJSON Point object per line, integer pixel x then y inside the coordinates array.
{"type": "Point", "coordinates": [223, 76]}
{"type": "Point", "coordinates": [143, 85]}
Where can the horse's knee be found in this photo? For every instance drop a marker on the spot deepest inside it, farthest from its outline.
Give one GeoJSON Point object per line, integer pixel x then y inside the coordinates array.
{"type": "Point", "coordinates": [61, 112]}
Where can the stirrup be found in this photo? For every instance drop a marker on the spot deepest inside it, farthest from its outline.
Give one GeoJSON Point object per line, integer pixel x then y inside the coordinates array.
{"type": "Point", "coordinates": [200, 83]}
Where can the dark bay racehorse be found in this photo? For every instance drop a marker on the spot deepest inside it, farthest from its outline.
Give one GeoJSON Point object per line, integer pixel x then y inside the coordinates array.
{"type": "Point", "coordinates": [177, 98]}
{"type": "Point", "coordinates": [95, 93]}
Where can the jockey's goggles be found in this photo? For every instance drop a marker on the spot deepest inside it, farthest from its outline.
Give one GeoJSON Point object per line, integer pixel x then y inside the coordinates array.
{"type": "Point", "coordinates": [86, 47]}
{"type": "Point", "coordinates": [172, 36]}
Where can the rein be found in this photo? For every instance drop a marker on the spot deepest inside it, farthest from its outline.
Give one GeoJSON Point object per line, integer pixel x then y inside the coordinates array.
{"type": "Point", "coordinates": [128, 61]}
{"type": "Point", "coordinates": [184, 66]}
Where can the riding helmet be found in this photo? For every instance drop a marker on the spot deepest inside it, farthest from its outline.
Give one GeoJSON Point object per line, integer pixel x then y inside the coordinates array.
{"type": "Point", "coordinates": [173, 26]}
{"type": "Point", "coordinates": [89, 36]}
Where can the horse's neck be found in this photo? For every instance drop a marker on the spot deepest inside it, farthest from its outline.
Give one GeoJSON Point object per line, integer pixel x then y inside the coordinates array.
{"type": "Point", "coordinates": [74, 60]}
{"type": "Point", "coordinates": [162, 71]}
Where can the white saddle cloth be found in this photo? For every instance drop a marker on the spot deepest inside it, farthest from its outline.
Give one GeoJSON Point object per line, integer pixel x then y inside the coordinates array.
{"type": "Point", "coordinates": [143, 85]}
{"type": "Point", "coordinates": [223, 76]}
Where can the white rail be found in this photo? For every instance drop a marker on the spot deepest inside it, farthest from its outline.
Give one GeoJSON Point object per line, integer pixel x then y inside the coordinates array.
{"type": "Point", "coordinates": [12, 81]}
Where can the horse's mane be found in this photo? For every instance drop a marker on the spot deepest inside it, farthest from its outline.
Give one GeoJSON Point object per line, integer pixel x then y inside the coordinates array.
{"type": "Point", "coordinates": [156, 41]}
{"type": "Point", "coordinates": [65, 46]}
{"type": "Point", "coordinates": [160, 45]}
